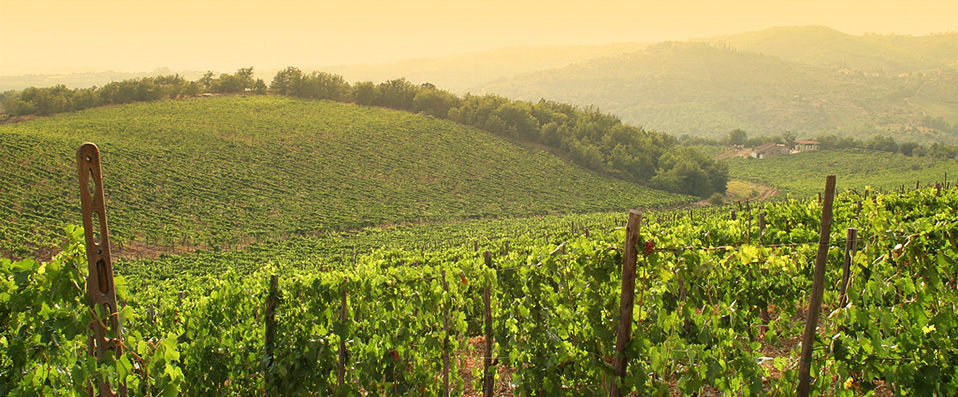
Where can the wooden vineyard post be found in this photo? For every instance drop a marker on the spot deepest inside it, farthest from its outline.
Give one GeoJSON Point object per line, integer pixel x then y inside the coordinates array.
{"type": "Point", "coordinates": [851, 246]}
{"type": "Point", "coordinates": [341, 371]}
{"type": "Point", "coordinates": [270, 338]}
{"type": "Point", "coordinates": [818, 288]}
{"type": "Point", "coordinates": [733, 215]}
{"type": "Point", "coordinates": [627, 302]}
{"type": "Point", "coordinates": [445, 339]}
{"type": "Point", "coordinates": [489, 368]}
{"type": "Point", "coordinates": [761, 224]}
{"type": "Point", "coordinates": [100, 288]}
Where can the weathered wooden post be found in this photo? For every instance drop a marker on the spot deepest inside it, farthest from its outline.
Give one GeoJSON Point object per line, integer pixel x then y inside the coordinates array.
{"type": "Point", "coordinates": [818, 288]}
{"type": "Point", "coordinates": [270, 336]}
{"type": "Point", "coordinates": [445, 339]}
{"type": "Point", "coordinates": [151, 314]}
{"type": "Point", "coordinates": [106, 336]}
{"type": "Point", "coordinates": [733, 215]}
{"type": "Point", "coordinates": [627, 302]}
{"type": "Point", "coordinates": [489, 368]}
{"type": "Point", "coordinates": [761, 224]}
{"type": "Point", "coordinates": [341, 371]}
{"type": "Point", "coordinates": [851, 246]}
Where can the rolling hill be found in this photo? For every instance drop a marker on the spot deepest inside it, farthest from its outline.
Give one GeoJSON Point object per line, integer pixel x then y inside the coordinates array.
{"type": "Point", "coordinates": [459, 73]}
{"type": "Point", "coordinates": [704, 90]}
{"type": "Point", "coordinates": [227, 171]}
{"type": "Point", "coordinates": [802, 174]}
{"type": "Point", "coordinates": [823, 46]}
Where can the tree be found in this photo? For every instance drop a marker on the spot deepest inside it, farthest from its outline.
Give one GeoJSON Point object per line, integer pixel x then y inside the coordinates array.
{"type": "Point", "coordinates": [737, 137]}
{"type": "Point", "coordinates": [366, 93]}
{"type": "Point", "coordinates": [287, 81]}
{"type": "Point", "coordinates": [259, 87]}
{"type": "Point", "coordinates": [434, 102]}
{"type": "Point", "coordinates": [207, 80]}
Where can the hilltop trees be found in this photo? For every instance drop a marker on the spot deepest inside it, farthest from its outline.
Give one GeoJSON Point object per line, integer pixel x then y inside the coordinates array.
{"type": "Point", "coordinates": [593, 139]}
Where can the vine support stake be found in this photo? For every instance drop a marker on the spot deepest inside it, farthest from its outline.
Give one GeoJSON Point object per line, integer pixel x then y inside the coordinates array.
{"type": "Point", "coordinates": [445, 338]}
{"type": "Point", "coordinates": [627, 302]}
{"type": "Point", "coordinates": [100, 288]}
{"type": "Point", "coordinates": [761, 224]}
{"type": "Point", "coordinates": [851, 246]}
{"type": "Point", "coordinates": [489, 368]}
{"type": "Point", "coordinates": [270, 338]}
{"type": "Point", "coordinates": [341, 371]}
{"type": "Point", "coordinates": [818, 288]}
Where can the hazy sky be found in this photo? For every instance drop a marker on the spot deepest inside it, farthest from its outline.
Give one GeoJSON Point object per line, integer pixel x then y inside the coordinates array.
{"type": "Point", "coordinates": [49, 36]}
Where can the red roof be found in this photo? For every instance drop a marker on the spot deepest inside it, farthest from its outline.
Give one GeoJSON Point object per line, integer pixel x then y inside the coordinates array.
{"type": "Point", "coordinates": [809, 142]}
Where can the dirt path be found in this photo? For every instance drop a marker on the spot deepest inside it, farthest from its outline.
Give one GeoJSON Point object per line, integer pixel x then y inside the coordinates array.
{"type": "Point", "coordinates": [741, 190]}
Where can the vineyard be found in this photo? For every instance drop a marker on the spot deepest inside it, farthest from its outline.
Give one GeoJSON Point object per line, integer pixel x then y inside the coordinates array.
{"type": "Point", "coordinates": [856, 168]}
{"type": "Point", "coordinates": [221, 173]}
{"type": "Point", "coordinates": [720, 306]}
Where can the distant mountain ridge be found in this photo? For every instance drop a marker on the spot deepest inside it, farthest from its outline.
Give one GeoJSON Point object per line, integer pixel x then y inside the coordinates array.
{"type": "Point", "coordinates": [459, 73]}
{"type": "Point", "coordinates": [707, 88]}
{"type": "Point", "coordinates": [811, 80]}
{"type": "Point", "coordinates": [823, 46]}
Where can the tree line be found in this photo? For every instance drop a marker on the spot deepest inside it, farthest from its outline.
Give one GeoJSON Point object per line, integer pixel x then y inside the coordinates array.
{"type": "Point", "coordinates": [595, 140]}
{"type": "Point", "coordinates": [881, 143]}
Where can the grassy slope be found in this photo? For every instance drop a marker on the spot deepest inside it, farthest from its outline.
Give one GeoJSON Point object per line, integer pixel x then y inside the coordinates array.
{"type": "Point", "coordinates": [698, 89]}
{"type": "Point", "coordinates": [804, 174]}
{"type": "Point", "coordinates": [225, 171]}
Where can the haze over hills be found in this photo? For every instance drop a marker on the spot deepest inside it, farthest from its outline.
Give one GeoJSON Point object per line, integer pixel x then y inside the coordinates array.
{"type": "Point", "coordinates": [458, 73]}
{"type": "Point", "coordinates": [810, 80]}
{"type": "Point", "coordinates": [823, 46]}
{"type": "Point", "coordinates": [85, 79]}
{"type": "Point", "coordinates": [703, 90]}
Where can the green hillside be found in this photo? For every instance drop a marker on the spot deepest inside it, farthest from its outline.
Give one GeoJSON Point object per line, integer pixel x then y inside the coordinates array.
{"type": "Point", "coordinates": [803, 174]}
{"type": "Point", "coordinates": [703, 90]}
{"type": "Point", "coordinates": [227, 171]}
{"type": "Point", "coordinates": [822, 46]}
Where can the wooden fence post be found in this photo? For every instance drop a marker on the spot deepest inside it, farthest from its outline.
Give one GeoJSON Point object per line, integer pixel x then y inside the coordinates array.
{"type": "Point", "coordinates": [761, 224]}
{"type": "Point", "coordinates": [818, 288]}
{"type": "Point", "coordinates": [489, 367]}
{"type": "Point", "coordinates": [341, 371]}
{"type": "Point", "coordinates": [445, 339]}
{"type": "Point", "coordinates": [106, 336]}
{"type": "Point", "coordinates": [851, 246]}
{"type": "Point", "coordinates": [733, 215]}
{"type": "Point", "coordinates": [627, 302]}
{"type": "Point", "coordinates": [270, 336]}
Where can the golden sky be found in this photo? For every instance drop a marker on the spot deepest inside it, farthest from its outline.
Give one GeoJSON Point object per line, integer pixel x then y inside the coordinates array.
{"type": "Point", "coordinates": [50, 36]}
